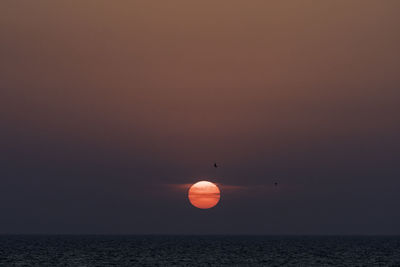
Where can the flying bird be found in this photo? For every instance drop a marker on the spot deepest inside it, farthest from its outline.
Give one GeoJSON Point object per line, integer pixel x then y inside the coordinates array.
{"type": "Point", "coordinates": [276, 183]}
{"type": "Point", "coordinates": [215, 165]}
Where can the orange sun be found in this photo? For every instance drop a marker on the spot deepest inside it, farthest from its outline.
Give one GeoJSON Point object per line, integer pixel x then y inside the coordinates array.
{"type": "Point", "coordinates": [204, 195]}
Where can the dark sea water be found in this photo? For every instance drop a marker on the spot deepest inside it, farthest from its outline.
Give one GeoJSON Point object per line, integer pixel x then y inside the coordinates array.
{"type": "Point", "coordinates": [198, 251]}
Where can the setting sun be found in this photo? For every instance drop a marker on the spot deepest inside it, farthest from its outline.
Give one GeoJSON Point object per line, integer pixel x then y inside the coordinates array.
{"type": "Point", "coordinates": [204, 195]}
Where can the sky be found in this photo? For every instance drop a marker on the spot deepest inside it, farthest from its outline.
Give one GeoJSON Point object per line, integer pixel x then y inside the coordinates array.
{"type": "Point", "coordinates": [110, 109]}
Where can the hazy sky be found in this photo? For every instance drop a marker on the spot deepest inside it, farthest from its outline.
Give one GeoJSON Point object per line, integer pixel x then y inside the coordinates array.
{"type": "Point", "coordinates": [108, 107]}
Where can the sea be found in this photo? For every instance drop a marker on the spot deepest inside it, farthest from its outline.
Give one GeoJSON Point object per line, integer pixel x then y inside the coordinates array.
{"type": "Point", "coordinates": [153, 250]}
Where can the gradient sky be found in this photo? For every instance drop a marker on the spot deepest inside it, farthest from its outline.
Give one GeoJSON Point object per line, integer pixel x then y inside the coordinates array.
{"type": "Point", "coordinates": [109, 108]}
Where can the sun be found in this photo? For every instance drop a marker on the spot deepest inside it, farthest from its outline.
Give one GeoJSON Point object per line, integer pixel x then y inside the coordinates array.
{"type": "Point", "coordinates": [204, 195]}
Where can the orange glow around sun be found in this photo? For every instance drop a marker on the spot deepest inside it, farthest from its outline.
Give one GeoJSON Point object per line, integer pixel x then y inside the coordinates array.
{"type": "Point", "coordinates": [204, 195]}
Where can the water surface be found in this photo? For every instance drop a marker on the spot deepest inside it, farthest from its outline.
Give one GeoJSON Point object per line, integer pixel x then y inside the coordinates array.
{"type": "Point", "coordinates": [199, 251]}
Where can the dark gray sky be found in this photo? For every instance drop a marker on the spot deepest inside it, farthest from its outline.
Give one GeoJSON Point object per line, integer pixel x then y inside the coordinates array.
{"type": "Point", "coordinates": [108, 108]}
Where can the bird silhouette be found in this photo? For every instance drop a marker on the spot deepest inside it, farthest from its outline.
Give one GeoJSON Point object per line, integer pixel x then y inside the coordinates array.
{"type": "Point", "coordinates": [215, 165]}
{"type": "Point", "coordinates": [276, 183]}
